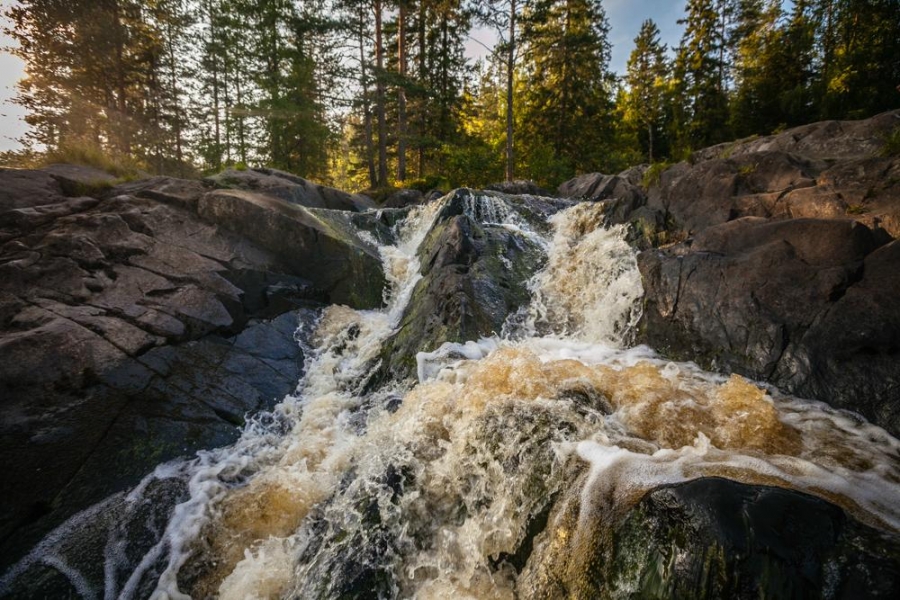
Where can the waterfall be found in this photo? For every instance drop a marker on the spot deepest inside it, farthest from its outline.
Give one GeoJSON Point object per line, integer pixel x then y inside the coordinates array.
{"type": "Point", "coordinates": [451, 491]}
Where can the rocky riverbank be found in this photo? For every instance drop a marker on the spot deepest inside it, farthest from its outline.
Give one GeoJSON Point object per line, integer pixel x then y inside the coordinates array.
{"type": "Point", "coordinates": [786, 267]}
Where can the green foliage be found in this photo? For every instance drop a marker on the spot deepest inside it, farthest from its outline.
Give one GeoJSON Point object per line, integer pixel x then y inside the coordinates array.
{"type": "Point", "coordinates": [567, 104]}
{"type": "Point", "coordinates": [891, 145]}
{"type": "Point", "coordinates": [653, 174]}
{"type": "Point", "coordinates": [644, 102]}
{"type": "Point", "coordinates": [172, 86]}
{"type": "Point", "coordinates": [87, 154]}
{"type": "Point", "coordinates": [422, 184]}
{"type": "Point", "coordinates": [701, 70]}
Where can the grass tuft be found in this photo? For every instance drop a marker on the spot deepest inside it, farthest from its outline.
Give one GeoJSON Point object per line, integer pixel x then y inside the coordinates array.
{"type": "Point", "coordinates": [91, 155]}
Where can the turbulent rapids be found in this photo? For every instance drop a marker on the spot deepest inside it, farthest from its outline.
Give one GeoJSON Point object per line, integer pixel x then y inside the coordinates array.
{"type": "Point", "coordinates": [498, 473]}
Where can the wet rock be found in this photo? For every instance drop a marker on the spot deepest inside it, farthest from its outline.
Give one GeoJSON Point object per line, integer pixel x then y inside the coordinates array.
{"type": "Point", "coordinates": [319, 244]}
{"type": "Point", "coordinates": [715, 538]}
{"type": "Point", "coordinates": [290, 188]}
{"type": "Point", "coordinates": [71, 445]}
{"type": "Point", "coordinates": [519, 187]}
{"type": "Point", "coordinates": [626, 203]}
{"type": "Point", "coordinates": [473, 275]}
{"type": "Point", "coordinates": [853, 349]}
{"type": "Point", "coordinates": [711, 538]}
{"type": "Point", "coordinates": [132, 332]}
{"type": "Point", "coordinates": [766, 299]}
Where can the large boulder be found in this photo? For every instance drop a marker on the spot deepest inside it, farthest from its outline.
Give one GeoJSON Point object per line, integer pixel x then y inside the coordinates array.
{"type": "Point", "coordinates": [474, 274]}
{"type": "Point", "coordinates": [804, 303]}
{"type": "Point", "coordinates": [824, 140]}
{"type": "Point", "coordinates": [716, 538]}
{"type": "Point", "coordinates": [290, 188]}
{"type": "Point", "coordinates": [722, 189]}
{"type": "Point", "coordinates": [832, 169]}
{"type": "Point", "coordinates": [323, 245]}
{"type": "Point", "coordinates": [625, 201]}
{"type": "Point", "coordinates": [132, 331]}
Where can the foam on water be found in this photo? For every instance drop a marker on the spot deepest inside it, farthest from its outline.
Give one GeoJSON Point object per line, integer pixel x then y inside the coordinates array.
{"type": "Point", "coordinates": [590, 289]}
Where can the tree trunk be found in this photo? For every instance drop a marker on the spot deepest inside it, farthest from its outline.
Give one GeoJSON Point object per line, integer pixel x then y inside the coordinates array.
{"type": "Point", "coordinates": [242, 143]}
{"type": "Point", "coordinates": [379, 98]}
{"type": "Point", "coordinates": [367, 109]}
{"type": "Point", "coordinates": [510, 70]}
{"type": "Point", "coordinates": [217, 127]}
{"type": "Point", "coordinates": [423, 118]}
{"type": "Point", "coordinates": [401, 93]}
{"type": "Point", "coordinates": [176, 101]}
{"type": "Point", "coordinates": [121, 105]}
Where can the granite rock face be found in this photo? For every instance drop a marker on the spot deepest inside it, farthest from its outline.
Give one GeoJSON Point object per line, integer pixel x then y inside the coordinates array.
{"type": "Point", "coordinates": [290, 188]}
{"type": "Point", "coordinates": [712, 538]}
{"type": "Point", "coordinates": [474, 274]}
{"type": "Point", "coordinates": [142, 321]}
{"type": "Point", "coordinates": [716, 538]}
{"type": "Point", "coordinates": [784, 262]}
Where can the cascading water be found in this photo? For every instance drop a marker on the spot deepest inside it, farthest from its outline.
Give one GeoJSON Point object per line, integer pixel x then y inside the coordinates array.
{"type": "Point", "coordinates": [341, 492]}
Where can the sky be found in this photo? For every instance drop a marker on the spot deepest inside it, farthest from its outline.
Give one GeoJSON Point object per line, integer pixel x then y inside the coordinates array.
{"type": "Point", "coordinates": [625, 18]}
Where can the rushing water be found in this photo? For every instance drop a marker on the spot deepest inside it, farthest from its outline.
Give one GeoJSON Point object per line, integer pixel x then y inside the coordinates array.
{"type": "Point", "coordinates": [431, 492]}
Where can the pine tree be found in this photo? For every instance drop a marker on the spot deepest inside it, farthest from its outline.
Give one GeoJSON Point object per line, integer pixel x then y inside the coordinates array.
{"type": "Point", "coordinates": [504, 17]}
{"type": "Point", "coordinates": [646, 75]}
{"type": "Point", "coordinates": [701, 68]}
{"type": "Point", "coordinates": [568, 105]}
{"type": "Point", "coordinates": [860, 56]}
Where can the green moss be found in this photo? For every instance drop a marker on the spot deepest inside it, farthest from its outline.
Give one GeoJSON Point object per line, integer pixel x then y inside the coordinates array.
{"type": "Point", "coordinates": [653, 174]}
{"type": "Point", "coordinates": [733, 146]}
{"type": "Point", "coordinates": [891, 144]}
{"type": "Point", "coordinates": [747, 169]}
{"type": "Point", "coordinates": [856, 209]}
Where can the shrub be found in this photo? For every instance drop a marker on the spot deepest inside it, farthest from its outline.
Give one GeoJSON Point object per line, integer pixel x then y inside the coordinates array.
{"type": "Point", "coordinates": [89, 154]}
{"type": "Point", "coordinates": [891, 146]}
{"type": "Point", "coordinates": [653, 174]}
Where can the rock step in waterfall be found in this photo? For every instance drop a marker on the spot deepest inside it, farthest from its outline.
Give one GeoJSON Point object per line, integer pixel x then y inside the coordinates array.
{"type": "Point", "coordinates": [491, 431]}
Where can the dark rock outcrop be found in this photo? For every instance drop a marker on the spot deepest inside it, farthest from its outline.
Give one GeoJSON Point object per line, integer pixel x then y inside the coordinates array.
{"type": "Point", "coordinates": [290, 188]}
{"type": "Point", "coordinates": [318, 243]}
{"type": "Point", "coordinates": [825, 140]}
{"type": "Point", "coordinates": [144, 321]}
{"type": "Point", "coordinates": [785, 278]}
{"type": "Point", "coordinates": [715, 538]}
{"type": "Point", "coordinates": [519, 187]}
{"type": "Point", "coordinates": [832, 169]}
{"type": "Point", "coordinates": [712, 538]}
{"type": "Point", "coordinates": [474, 273]}
{"type": "Point", "coordinates": [802, 303]}
{"type": "Point", "coordinates": [404, 198]}
{"type": "Point", "coordinates": [626, 203]}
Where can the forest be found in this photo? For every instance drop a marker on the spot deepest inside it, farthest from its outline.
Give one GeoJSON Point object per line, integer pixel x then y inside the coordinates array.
{"type": "Point", "coordinates": [372, 94]}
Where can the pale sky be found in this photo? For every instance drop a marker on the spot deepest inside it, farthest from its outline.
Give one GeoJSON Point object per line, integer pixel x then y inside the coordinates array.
{"type": "Point", "coordinates": [625, 18]}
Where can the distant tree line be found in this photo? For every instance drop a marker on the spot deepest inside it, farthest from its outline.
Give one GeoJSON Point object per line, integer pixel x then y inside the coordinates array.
{"type": "Point", "coordinates": [374, 93]}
